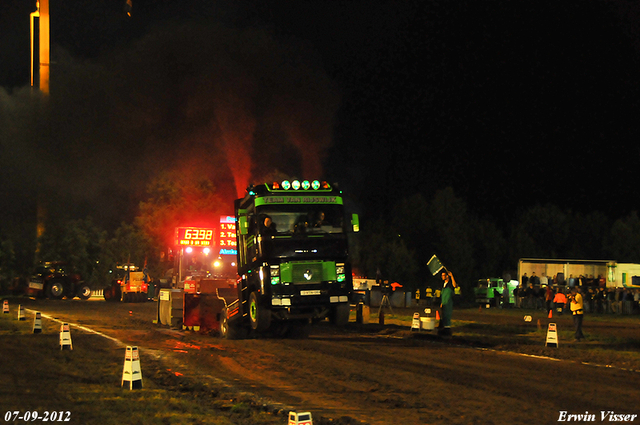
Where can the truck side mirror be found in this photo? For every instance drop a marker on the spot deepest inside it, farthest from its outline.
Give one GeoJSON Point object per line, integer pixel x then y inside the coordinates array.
{"type": "Point", "coordinates": [243, 225]}
{"type": "Point", "coordinates": [355, 222]}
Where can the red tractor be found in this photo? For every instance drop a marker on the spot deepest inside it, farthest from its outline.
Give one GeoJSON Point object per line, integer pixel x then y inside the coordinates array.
{"type": "Point", "coordinates": [56, 280]}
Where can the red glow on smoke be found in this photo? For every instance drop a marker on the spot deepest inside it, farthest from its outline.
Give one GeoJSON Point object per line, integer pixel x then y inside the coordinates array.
{"type": "Point", "coordinates": [237, 129]}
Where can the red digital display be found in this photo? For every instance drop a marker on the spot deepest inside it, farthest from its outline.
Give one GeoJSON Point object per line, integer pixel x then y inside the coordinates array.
{"type": "Point", "coordinates": [194, 236]}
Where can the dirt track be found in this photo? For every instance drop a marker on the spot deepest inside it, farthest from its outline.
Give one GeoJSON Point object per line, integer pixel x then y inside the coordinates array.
{"type": "Point", "coordinates": [371, 374]}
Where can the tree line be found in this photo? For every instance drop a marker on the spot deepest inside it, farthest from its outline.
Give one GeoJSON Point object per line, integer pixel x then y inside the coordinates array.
{"type": "Point", "coordinates": [399, 246]}
{"type": "Point", "coordinates": [475, 247]}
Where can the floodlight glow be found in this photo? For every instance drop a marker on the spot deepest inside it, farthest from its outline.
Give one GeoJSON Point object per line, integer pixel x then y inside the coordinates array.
{"type": "Point", "coordinates": [286, 185]}
{"type": "Point", "coordinates": [315, 185]}
{"type": "Point", "coordinates": [295, 185]}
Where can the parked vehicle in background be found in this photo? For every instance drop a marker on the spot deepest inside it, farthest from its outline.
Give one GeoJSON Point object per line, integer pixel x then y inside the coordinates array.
{"type": "Point", "coordinates": [56, 280]}
{"type": "Point", "coordinates": [491, 291]}
{"type": "Point", "coordinates": [130, 285]}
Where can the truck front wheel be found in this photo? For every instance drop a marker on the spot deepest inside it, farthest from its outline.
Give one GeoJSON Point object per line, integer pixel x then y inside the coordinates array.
{"type": "Point", "coordinates": [259, 315]}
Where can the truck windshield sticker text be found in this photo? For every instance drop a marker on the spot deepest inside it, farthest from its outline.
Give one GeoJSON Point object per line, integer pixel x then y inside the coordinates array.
{"type": "Point", "coordinates": [299, 200]}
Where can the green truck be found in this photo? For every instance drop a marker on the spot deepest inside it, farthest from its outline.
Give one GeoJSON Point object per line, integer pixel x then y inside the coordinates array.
{"type": "Point", "coordinates": [488, 289]}
{"type": "Point", "coordinates": [292, 259]}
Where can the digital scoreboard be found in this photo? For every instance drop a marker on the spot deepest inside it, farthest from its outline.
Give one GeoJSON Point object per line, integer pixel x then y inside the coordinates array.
{"type": "Point", "coordinates": [194, 236]}
{"type": "Point", "coordinates": [227, 235]}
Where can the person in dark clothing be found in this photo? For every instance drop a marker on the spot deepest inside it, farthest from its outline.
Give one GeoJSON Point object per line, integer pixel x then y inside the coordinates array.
{"type": "Point", "coordinates": [446, 303]}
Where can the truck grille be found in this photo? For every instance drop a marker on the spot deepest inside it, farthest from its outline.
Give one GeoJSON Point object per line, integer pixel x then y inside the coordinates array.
{"type": "Point", "coordinates": [307, 273]}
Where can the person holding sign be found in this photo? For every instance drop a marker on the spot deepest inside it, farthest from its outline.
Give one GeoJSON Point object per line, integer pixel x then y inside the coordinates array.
{"type": "Point", "coordinates": [446, 303]}
{"type": "Point", "coordinates": [446, 296]}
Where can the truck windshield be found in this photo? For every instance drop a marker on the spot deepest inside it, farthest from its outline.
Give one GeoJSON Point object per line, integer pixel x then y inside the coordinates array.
{"type": "Point", "coordinates": [301, 219]}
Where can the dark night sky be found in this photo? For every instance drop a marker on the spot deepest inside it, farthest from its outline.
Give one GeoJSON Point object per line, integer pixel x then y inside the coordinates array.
{"type": "Point", "coordinates": [511, 103]}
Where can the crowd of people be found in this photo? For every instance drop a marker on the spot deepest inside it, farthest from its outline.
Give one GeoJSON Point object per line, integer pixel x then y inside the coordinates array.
{"type": "Point", "coordinates": [533, 293]}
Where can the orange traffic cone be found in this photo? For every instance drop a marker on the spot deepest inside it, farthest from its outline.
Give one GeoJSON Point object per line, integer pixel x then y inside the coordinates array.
{"type": "Point", "coordinates": [550, 314]}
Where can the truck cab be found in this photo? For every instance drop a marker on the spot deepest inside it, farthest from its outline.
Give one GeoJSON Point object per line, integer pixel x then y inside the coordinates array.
{"type": "Point", "coordinates": [293, 257]}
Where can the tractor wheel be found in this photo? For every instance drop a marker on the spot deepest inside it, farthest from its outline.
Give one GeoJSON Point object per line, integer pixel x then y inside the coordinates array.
{"type": "Point", "coordinates": [259, 315]}
{"type": "Point", "coordinates": [84, 292]}
{"type": "Point", "coordinates": [55, 290]}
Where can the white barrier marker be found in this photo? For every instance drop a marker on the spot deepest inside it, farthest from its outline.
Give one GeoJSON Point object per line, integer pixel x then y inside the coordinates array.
{"type": "Point", "coordinates": [131, 373]}
{"type": "Point", "coordinates": [303, 418]}
{"type": "Point", "coordinates": [37, 323]}
{"type": "Point", "coordinates": [65, 337]}
{"type": "Point", "coordinates": [552, 336]}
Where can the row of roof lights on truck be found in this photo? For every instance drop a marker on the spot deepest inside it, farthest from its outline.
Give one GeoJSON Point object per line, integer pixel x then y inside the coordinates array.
{"type": "Point", "coordinates": [297, 185]}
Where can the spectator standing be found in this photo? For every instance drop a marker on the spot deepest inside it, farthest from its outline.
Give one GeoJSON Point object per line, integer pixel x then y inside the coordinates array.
{"type": "Point", "coordinates": [577, 309]}
{"type": "Point", "coordinates": [516, 295]}
{"type": "Point", "coordinates": [429, 296]}
{"type": "Point", "coordinates": [548, 298]}
{"type": "Point", "coordinates": [535, 280]}
{"type": "Point", "coordinates": [559, 301]}
{"type": "Point", "coordinates": [599, 300]}
{"type": "Point", "coordinates": [544, 280]}
{"type": "Point", "coordinates": [611, 300]}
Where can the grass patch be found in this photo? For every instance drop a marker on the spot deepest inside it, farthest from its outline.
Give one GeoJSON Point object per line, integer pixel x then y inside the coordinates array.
{"type": "Point", "coordinates": [37, 376]}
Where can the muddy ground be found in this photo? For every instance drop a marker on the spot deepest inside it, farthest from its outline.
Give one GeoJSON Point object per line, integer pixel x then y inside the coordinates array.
{"type": "Point", "coordinates": [496, 369]}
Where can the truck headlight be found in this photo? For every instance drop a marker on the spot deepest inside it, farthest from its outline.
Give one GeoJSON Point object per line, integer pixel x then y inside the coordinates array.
{"type": "Point", "coordinates": [340, 275]}
{"type": "Point", "coordinates": [275, 274]}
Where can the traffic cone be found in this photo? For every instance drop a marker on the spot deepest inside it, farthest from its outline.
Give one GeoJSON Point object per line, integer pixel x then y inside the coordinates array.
{"type": "Point", "coordinates": [21, 315]}
{"type": "Point", "coordinates": [37, 323]}
{"type": "Point", "coordinates": [65, 337]}
{"type": "Point", "coordinates": [131, 373]}
{"type": "Point", "coordinates": [5, 306]}
{"type": "Point", "coordinates": [551, 314]}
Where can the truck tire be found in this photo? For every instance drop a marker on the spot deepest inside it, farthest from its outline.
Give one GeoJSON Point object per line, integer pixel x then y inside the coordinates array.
{"type": "Point", "coordinates": [107, 293]}
{"type": "Point", "coordinates": [84, 292]}
{"type": "Point", "coordinates": [259, 315]}
{"type": "Point", "coordinates": [55, 290]}
{"type": "Point", "coordinates": [230, 330]}
{"type": "Point", "coordinates": [339, 315]}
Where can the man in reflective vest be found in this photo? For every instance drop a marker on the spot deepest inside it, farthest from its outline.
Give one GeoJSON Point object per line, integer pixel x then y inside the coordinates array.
{"type": "Point", "coordinates": [578, 312]}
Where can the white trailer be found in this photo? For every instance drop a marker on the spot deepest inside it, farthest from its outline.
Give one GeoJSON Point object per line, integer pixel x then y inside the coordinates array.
{"type": "Point", "coordinates": [615, 274]}
{"type": "Point", "coordinates": [564, 268]}
{"type": "Point", "coordinates": [623, 275]}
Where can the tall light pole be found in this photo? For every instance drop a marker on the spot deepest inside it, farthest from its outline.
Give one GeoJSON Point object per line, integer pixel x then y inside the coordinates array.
{"type": "Point", "coordinates": [42, 13]}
